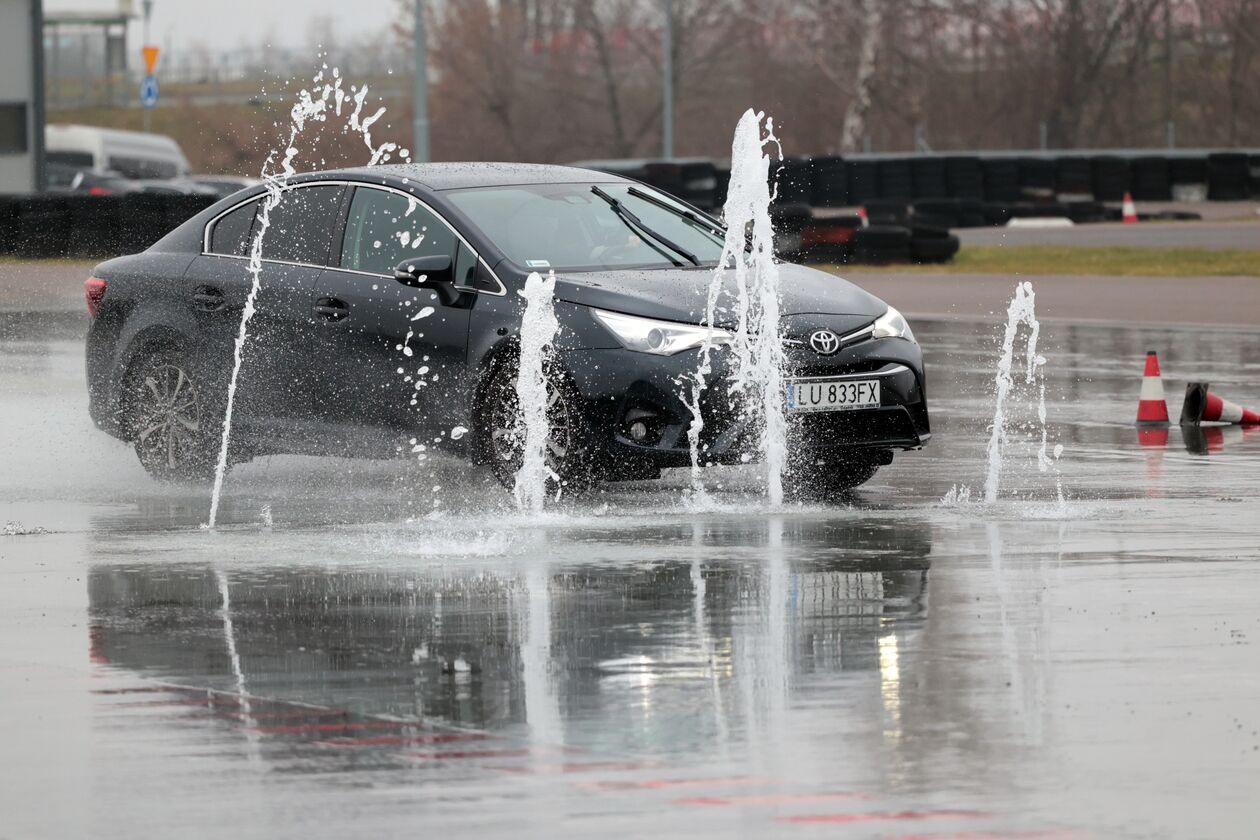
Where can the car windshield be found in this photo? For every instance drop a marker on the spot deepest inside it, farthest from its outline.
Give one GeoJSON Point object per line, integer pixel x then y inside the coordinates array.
{"type": "Point", "coordinates": [589, 227]}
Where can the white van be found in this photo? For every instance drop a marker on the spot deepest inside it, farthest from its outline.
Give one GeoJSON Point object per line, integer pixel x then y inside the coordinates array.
{"type": "Point", "coordinates": [131, 154]}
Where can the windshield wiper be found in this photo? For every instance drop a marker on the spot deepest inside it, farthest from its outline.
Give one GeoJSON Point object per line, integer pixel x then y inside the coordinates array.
{"type": "Point", "coordinates": [627, 216]}
{"type": "Point", "coordinates": [678, 211]}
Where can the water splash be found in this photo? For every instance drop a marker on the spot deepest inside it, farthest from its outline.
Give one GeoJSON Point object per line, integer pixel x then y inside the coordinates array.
{"type": "Point", "coordinates": [1020, 313]}
{"type": "Point", "coordinates": [756, 377]}
{"type": "Point", "coordinates": [538, 330]}
{"type": "Point", "coordinates": [313, 106]}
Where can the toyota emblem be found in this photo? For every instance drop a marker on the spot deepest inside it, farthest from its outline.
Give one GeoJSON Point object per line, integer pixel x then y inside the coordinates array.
{"type": "Point", "coordinates": [824, 342]}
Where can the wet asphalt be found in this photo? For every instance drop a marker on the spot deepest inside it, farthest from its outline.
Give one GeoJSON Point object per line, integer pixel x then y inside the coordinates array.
{"type": "Point", "coordinates": [373, 648]}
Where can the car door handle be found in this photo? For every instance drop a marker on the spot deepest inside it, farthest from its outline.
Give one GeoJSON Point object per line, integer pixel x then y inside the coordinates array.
{"type": "Point", "coordinates": [331, 309]}
{"type": "Point", "coordinates": [207, 298]}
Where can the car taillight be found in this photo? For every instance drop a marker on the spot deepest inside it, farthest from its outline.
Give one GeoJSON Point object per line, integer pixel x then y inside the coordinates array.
{"type": "Point", "coordinates": [94, 292]}
{"type": "Point", "coordinates": [100, 191]}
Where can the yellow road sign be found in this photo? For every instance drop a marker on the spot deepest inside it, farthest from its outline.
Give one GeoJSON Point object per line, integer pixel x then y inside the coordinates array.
{"type": "Point", "coordinates": [150, 54]}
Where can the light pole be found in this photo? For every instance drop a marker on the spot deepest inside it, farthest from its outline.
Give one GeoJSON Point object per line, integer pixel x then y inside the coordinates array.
{"type": "Point", "coordinates": [420, 124]}
{"type": "Point", "coordinates": [667, 94]}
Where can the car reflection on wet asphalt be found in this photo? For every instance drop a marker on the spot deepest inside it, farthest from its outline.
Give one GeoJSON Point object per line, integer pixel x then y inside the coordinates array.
{"type": "Point", "coordinates": [356, 652]}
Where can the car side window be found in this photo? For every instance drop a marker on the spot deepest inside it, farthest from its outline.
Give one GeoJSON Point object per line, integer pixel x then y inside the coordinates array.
{"type": "Point", "coordinates": [300, 227]}
{"type": "Point", "coordinates": [230, 234]}
{"type": "Point", "coordinates": [385, 228]}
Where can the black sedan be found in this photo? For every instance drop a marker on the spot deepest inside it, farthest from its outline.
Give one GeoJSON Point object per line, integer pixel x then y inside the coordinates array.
{"type": "Point", "coordinates": [388, 321]}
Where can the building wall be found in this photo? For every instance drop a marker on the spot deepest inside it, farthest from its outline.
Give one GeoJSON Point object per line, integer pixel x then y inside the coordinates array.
{"type": "Point", "coordinates": [21, 117]}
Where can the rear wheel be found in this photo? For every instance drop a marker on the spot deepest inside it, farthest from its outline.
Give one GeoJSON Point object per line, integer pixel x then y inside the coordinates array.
{"type": "Point", "coordinates": [829, 479]}
{"type": "Point", "coordinates": [167, 415]}
{"type": "Point", "coordinates": [502, 431]}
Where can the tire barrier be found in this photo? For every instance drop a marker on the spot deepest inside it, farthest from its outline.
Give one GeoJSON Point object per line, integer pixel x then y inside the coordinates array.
{"type": "Point", "coordinates": [1073, 177]}
{"type": "Point", "coordinates": [863, 182]}
{"type": "Point", "coordinates": [829, 182]}
{"type": "Point", "coordinates": [881, 244]}
{"type": "Point", "coordinates": [932, 245]}
{"type": "Point", "coordinates": [1149, 179]}
{"type": "Point", "coordinates": [964, 178]}
{"type": "Point", "coordinates": [1036, 178]}
{"type": "Point", "coordinates": [927, 177]}
{"type": "Point", "coordinates": [1228, 177]}
{"type": "Point", "coordinates": [794, 182]}
{"type": "Point", "coordinates": [1110, 177]}
{"type": "Point", "coordinates": [895, 179]}
{"type": "Point", "coordinates": [1001, 179]}
{"type": "Point", "coordinates": [90, 227]}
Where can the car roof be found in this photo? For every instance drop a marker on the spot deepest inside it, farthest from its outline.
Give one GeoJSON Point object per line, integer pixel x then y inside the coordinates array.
{"type": "Point", "coordinates": [452, 176]}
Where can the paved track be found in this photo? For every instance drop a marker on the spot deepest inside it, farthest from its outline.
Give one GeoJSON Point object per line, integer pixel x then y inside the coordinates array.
{"type": "Point", "coordinates": [1212, 235]}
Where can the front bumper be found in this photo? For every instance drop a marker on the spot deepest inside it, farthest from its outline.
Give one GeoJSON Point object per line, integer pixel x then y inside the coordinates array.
{"type": "Point", "coordinates": [619, 386]}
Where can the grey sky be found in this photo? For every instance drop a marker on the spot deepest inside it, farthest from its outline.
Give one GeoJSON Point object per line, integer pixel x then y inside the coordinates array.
{"type": "Point", "coordinates": [223, 24]}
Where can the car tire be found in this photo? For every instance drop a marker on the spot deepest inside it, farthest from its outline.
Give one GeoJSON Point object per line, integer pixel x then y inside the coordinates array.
{"type": "Point", "coordinates": [169, 419]}
{"type": "Point", "coordinates": [829, 480]}
{"type": "Point", "coordinates": [501, 437]}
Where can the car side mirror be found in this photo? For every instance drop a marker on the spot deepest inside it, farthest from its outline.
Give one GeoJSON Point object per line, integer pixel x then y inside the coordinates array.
{"type": "Point", "coordinates": [425, 271]}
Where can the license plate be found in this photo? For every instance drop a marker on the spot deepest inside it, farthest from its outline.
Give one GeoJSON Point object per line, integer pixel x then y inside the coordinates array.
{"type": "Point", "coordinates": [832, 394]}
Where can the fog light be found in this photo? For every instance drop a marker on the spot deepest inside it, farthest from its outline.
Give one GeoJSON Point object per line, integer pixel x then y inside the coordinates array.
{"type": "Point", "coordinates": [638, 430]}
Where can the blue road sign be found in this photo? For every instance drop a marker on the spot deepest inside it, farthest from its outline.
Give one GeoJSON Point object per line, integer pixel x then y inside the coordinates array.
{"type": "Point", "coordinates": [149, 91]}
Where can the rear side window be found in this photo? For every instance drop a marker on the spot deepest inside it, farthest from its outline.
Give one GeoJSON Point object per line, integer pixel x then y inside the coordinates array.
{"type": "Point", "coordinates": [230, 235]}
{"type": "Point", "coordinates": [137, 167]}
{"type": "Point", "coordinates": [82, 160]}
{"type": "Point", "coordinates": [300, 227]}
{"type": "Point", "coordinates": [385, 228]}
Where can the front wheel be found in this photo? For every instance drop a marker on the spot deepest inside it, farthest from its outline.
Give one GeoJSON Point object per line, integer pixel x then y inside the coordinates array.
{"type": "Point", "coordinates": [174, 436]}
{"type": "Point", "coordinates": [829, 480]}
{"type": "Point", "coordinates": [502, 431]}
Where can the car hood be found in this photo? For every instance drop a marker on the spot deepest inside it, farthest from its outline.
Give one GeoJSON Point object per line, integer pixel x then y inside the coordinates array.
{"type": "Point", "coordinates": [682, 294]}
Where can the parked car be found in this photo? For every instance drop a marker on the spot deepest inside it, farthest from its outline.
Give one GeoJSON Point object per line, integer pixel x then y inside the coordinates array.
{"type": "Point", "coordinates": [175, 186]}
{"type": "Point", "coordinates": [389, 315]}
{"type": "Point", "coordinates": [225, 185]}
{"type": "Point", "coordinates": [130, 154]}
{"type": "Point", "coordinates": [64, 178]}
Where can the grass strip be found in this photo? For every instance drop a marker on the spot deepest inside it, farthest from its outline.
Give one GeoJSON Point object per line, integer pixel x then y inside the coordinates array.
{"type": "Point", "coordinates": [1055, 259]}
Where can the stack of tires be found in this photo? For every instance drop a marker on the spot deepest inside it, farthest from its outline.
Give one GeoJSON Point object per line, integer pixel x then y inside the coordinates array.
{"type": "Point", "coordinates": [1149, 179]}
{"type": "Point", "coordinates": [964, 178]}
{"type": "Point", "coordinates": [927, 175]}
{"type": "Point", "coordinates": [1228, 177]}
{"type": "Point", "coordinates": [829, 182]}
{"type": "Point", "coordinates": [1073, 178]}
{"type": "Point", "coordinates": [1110, 177]}
{"type": "Point", "coordinates": [1001, 180]}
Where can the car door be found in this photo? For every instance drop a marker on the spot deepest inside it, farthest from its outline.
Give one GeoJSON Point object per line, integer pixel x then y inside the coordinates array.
{"type": "Point", "coordinates": [273, 384]}
{"type": "Point", "coordinates": [390, 356]}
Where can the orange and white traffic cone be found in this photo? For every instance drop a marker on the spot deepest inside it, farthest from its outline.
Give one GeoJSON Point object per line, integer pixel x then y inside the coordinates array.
{"type": "Point", "coordinates": [866, 220]}
{"type": "Point", "coordinates": [1128, 210]}
{"type": "Point", "coordinates": [1152, 407]}
{"type": "Point", "coordinates": [1202, 405]}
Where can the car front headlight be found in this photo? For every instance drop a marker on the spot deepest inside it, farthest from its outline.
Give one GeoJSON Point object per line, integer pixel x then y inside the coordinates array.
{"type": "Point", "coordinates": [892, 325]}
{"type": "Point", "coordinates": [660, 338]}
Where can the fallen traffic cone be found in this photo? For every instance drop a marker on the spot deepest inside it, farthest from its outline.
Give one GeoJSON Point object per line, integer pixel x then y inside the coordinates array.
{"type": "Point", "coordinates": [1202, 405]}
{"type": "Point", "coordinates": [1203, 440]}
{"type": "Point", "coordinates": [1152, 407]}
{"type": "Point", "coordinates": [1128, 210]}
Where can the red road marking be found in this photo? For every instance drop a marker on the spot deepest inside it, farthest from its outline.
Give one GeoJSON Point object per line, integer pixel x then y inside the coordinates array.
{"type": "Point", "coordinates": [302, 728]}
{"type": "Point", "coordinates": [771, 799]}
{"type": "Point", "coordinates": [663, 784]}
{"type": "Point", "coordinates": [461, 754]}
{"type": "Point", "coordinates": [402, 740]}
{"type": "Point", "coordinates": [574, 767]}
{"type": "Point", "coordinates": [885, 816]}
{"type": "Point", "coordinates": [282, 714]}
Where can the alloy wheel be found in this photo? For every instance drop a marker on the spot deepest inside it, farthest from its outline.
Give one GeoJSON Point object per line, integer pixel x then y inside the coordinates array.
{"type": "Point", "coordinates": [167, 420]}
